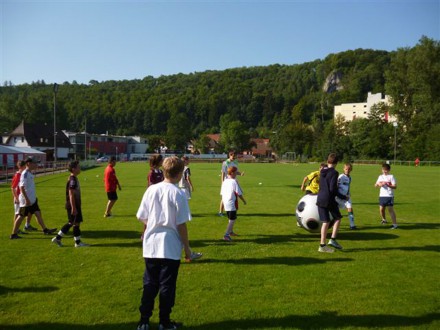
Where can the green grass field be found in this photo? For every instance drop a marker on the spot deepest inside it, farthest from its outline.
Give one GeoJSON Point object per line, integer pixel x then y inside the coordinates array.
{"type": "Point", "coordinates": [271, 277]}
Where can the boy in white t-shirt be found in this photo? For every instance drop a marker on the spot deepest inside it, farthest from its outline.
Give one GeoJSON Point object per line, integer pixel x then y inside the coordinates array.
{"type": "Point", "coordinates": [230, 192]}
{"type": "Point", "coordinates": [387, 184]}
{"type": "Point", "coordinates": [164, 210]}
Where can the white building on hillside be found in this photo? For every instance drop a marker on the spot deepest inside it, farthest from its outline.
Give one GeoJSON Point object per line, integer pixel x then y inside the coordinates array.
{"type": "Point", "coordinates": [352, 111]}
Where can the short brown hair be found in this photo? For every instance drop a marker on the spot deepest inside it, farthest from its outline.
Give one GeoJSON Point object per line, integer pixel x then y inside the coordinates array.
{"type": "Point", "coordinates": [231, 170]}
{"type": "Point", "coordinates": [172, 167]}
{"type": "Point", "coordinates": [332, 158]}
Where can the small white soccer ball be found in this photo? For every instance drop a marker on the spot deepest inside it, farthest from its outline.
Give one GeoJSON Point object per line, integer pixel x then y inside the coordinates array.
{"type": "Point", "coordinates": [261, 183]}
{"type": "Point", "coordinates": [307, 214]}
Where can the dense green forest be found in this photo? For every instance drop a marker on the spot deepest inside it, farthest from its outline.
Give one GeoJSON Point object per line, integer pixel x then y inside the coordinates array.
{"type": "Point", "coordinates": [290, 104]}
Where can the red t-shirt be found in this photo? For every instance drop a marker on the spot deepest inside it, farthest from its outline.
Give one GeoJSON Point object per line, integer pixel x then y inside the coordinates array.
{"type": "Point", "coordinates": [15, 182]}
{"type": "Point", "coordinates": [110, 179]}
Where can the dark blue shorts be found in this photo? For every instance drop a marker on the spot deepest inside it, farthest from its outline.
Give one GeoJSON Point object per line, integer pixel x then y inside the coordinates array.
{"type": "Point", "coordinates": [386, 201]}
{"type": "Point", "coordinates": [328, 214]}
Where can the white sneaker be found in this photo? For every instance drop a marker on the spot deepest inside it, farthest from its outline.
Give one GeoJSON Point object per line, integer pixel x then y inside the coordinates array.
{"type": "Point", "coordinates": [335, 244]}
{"type": "Point", "coordinates": [81, 244]}
{"type": "Point", "coordinates": [326, 249]}
{"type": "Point", "coordinates": [57, 241]}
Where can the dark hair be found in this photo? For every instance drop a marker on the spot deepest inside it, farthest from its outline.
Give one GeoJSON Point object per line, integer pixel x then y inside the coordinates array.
{"type": "Point", "coordinates": [112, 159]}
{"type": "Point", "coordinates": [386, 166]}
{"type": "Point", "coordinates": [21, 163]}
{"type": "Point", "coordinates": [155, 160]}
{"type": "Point", "coordinates": [73, 164]}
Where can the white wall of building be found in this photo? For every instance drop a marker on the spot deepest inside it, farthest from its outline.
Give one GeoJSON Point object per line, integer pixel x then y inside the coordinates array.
{"type": "Point", "coordinates": [352, 111]}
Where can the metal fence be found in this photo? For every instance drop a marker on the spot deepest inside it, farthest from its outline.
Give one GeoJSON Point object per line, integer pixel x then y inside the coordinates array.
{"type": "Point", "coordinates": [6, 173]}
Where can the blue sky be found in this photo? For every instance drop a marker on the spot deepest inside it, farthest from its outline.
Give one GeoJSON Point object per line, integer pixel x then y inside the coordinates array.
{"type": "Point", "coordinates": [58, 41]}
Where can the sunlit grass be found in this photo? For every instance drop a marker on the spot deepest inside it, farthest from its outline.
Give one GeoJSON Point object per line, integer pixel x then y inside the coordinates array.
{"type": "Point", "coordinates": [270, 277]}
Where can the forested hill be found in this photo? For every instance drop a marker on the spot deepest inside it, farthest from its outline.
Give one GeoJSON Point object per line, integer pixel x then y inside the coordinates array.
{"type": "Point", "coordinates": [262, 99]}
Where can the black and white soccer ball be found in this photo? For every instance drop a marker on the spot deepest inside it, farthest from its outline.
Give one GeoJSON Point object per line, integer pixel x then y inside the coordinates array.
{"type": "Point", "coordinates": [307, 214]}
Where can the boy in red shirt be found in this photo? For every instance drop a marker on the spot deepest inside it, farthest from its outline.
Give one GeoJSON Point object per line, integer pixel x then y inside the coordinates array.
{"type": "Point", "coordinates": [111, 183]}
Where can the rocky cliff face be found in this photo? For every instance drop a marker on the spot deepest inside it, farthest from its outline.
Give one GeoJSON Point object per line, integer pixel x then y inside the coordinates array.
{"type": "Point", "coordinates": [333, 82]}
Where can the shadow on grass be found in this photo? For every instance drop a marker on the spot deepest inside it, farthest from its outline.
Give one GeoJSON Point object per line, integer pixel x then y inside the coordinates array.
{"type": "Point", "coordinates": [5, 290]}
{"type": "Point", "coordinates": [325, 320]}
{"type": "Point", "coordinates": [430, 248]}
{"type": "Point", "coordinates": [294, 238]}
{"type": "Point", "coordinates": [286, 261]}
{"type": "Point", "coordinates": [130, 234]}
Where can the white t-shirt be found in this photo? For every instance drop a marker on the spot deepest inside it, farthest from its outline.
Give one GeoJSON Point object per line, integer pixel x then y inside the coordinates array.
{"type": "Point", "coordinates": [227, 164]}
{"type": "Point", "coordinates": [163, 207]}
{"type": "Point", "coordinates": [229, 190]}
{"type": "Point", "coordinates": [27, 181]}
{"type": "Point", "coordinates": [386, 191]}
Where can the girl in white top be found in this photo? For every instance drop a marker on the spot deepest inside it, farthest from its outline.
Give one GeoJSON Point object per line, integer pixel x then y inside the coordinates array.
{"type": "Point", "coordinates": [387, 184]}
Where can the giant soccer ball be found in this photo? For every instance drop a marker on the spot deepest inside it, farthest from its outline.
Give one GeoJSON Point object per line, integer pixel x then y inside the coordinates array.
{"type": "Point", "coordinates": [307, 214]}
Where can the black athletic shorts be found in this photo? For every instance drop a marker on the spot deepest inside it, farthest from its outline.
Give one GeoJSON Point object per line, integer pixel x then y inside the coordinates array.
{"type": "Point", "coordinates": [112, 196]}
{"type": "Point", "coordinates": [74, 218]}
{"type": "Point", "coordinates": [31, 209]}
{"type": "Point", "coordinates": [232, 215]}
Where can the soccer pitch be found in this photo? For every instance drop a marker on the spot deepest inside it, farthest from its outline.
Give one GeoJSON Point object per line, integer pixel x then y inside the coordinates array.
{"type": "Point", "coordinates": [270, 277]}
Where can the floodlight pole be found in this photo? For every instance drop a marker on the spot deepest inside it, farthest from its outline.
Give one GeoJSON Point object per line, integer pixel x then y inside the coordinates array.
{"type": "Point", "coordinates": [85, 137]}
{"type": "Point", "coordinates": [395, 141]}
{"type": "Point", "coordinates": [55, 90]}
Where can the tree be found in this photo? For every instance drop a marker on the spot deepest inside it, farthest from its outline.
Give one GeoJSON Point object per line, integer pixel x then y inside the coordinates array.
{"type": "Point", "coordinates": [178, 132]}
{"type": "Point", "coordinates": [234, 136]}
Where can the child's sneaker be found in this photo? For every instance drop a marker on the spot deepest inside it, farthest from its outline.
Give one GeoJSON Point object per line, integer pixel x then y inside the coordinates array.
{"type": "Point", "coordinates": [170, 326]}
{"type": "Point", "coordinates": [47, 231]}
{"type": "Point", "coordinates": [233, 234]}
{"type": "Point", "coordinates": [335, 244]}
{"type": "Point", "coordinates": [30, 228]}
{"type": "Point", "coordinates": [383, 222]}
{"type": "Point", "coordinates": [14, 236]}
{"type": "Point", "coordinates": [326, 249]}
{"type": "Point", "coordinates": [143, 326]}
{"type": "Point", "coordinates": [81, 244]}
{"type": "Point", "coordinates": [107, 215]}
{"type": "Point", "coordinates": [227, 238]}
{"type": "Point", "coordinates": [393, 227]}
{"type": "Point", "coordinates": [220, 214]}
{"type": "Point", "coordinates": [57, 241]}
{"type": "Point", "coordinates": [194, 256]}
{"type": "Point", "coordinates": [353, 227]}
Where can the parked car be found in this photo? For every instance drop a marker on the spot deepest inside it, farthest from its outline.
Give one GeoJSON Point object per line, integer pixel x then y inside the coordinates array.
{"type": "Point", "coordinates": [102, 159]}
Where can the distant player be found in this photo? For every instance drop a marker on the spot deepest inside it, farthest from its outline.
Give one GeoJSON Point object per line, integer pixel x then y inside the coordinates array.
{"type": "Point", "coordinates": [344, 181]}
{"type": "Point", "coordinates": [28, 200]}
{"type": "Point", "coordinates": [185, 183]}
{"type": "Point", "coordinates": [73, 207]}
{"type": "Point", "coordinates": [230, 162]}
{"type": "Point", "coordinates": [387, 184]}
{"type": "Point", "coordinates": [230, 192]}
{"type": "Point", "coordinates": [111, 183]}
